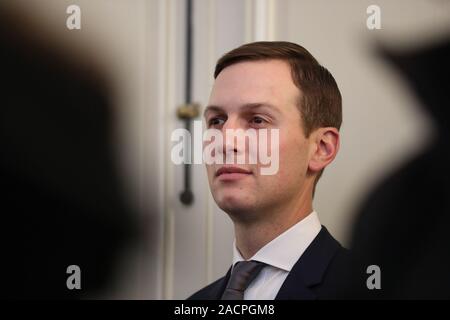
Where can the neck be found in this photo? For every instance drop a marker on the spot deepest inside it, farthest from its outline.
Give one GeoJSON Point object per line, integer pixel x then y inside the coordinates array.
{"type": "Point", "coordinates": [253, 235]}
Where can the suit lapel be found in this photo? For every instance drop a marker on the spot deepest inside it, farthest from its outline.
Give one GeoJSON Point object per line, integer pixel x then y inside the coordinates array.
{"type": "Point", "coordinates": [309, 270]}
{"type": "Point", "coordinates": [219, 288]}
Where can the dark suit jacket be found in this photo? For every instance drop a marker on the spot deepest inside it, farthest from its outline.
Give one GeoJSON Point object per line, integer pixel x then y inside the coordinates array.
{"type": "Point", "coordinates": [316, 275]}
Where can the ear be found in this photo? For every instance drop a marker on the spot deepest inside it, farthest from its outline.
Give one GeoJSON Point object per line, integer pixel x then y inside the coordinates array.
{"type": "Point", "coordinates": [325, 148]}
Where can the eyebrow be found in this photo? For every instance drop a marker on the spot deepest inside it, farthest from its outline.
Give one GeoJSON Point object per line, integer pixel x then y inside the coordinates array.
{"type": "Point", "coordinates": [244, 107]}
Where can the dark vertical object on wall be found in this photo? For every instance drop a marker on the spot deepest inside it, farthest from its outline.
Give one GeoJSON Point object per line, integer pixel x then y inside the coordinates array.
{"type": "Point", "coordinates": [186, 196]}
{"type": "Point", "coordinates": [188, 51]}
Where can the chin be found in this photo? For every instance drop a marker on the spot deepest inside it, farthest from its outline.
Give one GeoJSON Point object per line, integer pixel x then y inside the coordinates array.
{"type": "Point", "coordinates": [233, 202]}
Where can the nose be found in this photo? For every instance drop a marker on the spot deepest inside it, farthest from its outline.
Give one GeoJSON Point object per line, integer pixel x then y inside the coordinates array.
{"type": "Point", "coordinates": [229, 136]}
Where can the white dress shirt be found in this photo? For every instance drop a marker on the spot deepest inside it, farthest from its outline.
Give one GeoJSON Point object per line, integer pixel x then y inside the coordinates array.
{"type": "Point", "coordinates": [280, 255]}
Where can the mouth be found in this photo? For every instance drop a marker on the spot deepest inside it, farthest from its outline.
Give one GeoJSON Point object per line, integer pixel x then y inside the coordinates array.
{"type": "Point", "coordinates": [232, 173]}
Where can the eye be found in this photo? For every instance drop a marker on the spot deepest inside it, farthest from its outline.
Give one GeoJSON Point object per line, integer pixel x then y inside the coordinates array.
{"type": "Point", "coordinates": [215, 121]}
{"type": "Point", "coordinates": [258, 120]}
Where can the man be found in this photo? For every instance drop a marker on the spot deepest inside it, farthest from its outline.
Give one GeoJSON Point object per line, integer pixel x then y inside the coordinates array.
{"type": "Point", "coordinates": [281, 251]}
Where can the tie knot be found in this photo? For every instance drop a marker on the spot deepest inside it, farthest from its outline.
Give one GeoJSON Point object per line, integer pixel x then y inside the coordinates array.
{"type": "Point", "coordinates": [244, 272]}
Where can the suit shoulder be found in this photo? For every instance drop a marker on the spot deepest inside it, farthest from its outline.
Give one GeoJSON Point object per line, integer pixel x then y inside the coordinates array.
{"type": "Point", "coordinates": [335, 275]}
{"type": "Point", "coordinates": [210, 292]}
{"type": "Point", "coordinates": [340, 258]}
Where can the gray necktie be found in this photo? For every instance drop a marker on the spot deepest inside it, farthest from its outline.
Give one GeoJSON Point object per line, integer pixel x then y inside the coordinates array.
{"type": "Point", "coordinates": [244, 272]}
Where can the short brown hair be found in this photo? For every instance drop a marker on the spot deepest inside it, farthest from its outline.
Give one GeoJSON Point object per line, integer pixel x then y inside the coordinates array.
{"type": "Point", "coordinates": [320, 102]}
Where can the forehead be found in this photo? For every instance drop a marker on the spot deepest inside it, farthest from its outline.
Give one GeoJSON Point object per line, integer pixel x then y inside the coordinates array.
{"type": "Point", "coordinates": [254, 81]}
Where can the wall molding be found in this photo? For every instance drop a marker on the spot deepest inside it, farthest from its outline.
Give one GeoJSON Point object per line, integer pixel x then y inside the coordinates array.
{"type": "Point", "coordinates": [260, 20]}
{"type": "Point", "coordinates": [167, 39]}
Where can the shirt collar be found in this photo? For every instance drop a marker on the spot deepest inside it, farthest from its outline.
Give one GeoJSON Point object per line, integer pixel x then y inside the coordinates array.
{"type": "Point", "coordinates": [284, 251]}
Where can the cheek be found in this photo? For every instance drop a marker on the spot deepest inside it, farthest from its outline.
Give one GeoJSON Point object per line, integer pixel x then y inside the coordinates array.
{"type": "Point", "coordinates": [287, 167]}
{"type": "Point", "coordinates": [293, 157]}
{"type": "Point", "coordinates": [210, 172]}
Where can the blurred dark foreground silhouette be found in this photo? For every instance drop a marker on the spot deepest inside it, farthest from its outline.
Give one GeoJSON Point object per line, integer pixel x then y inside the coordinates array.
{"type": "Point", "coordinates": [404, 225]}
{"type": "Point", "coordinates": [61, 200]}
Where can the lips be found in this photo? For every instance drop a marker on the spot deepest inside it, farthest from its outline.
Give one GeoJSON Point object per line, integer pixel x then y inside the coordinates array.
{"type": "Point", "coordinates": [231, 170]}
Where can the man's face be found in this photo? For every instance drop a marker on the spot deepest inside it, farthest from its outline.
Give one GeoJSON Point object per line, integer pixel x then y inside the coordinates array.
{"type": "Point", "coordinates": [258, 95]}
